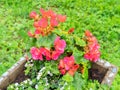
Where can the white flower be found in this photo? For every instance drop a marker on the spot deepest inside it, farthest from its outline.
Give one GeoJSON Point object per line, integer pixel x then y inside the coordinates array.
{"type": "Point", "coordinates": [47, 84]}
{"type": "Point", "coordinates": [11, 86]}
{"type": "Point", "coordinates": [16, 84]}
{"type": "Point", "coordinates": [63, 86]}
{"type": "Point", "coordinates": [38, 78]}
{"type": "Point", "coordinates": [36, 86]}
{"type": "Point", "coordinates": [26, 65]}
{"type": "Point", "coordinates": [30, 82]}
{"type": "Point", "coordinates": [25, 81]}
{"type": "Point", "coordinates": [42, 69]}
{"type": "Point", "coordinates": [50, 73]}
{"type": "Point", "coordinates": [30, 65]}
{"type": "Point", "coordinates": [16, 88]}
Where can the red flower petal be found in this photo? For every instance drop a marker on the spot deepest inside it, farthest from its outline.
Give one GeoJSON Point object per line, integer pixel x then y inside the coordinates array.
{"type": "Point", "coordinates": [55, 55]}
{"type": "Point", "coordinates": [33, 14]}
{"type": "Point", "coordinates": [61, 18]}
{"type": "Point", "coordinates": [36, 54]}
{"type": "Point", "coordinates": [61, 64]}
{"type": "Point", "coordinates": [88, 33]}
{"type": "Point", "coordinates": [71, 30]}
{"type": "Point", "coordinates": [53, 22]}
{"type": "Point", "coordinates": [43, 23]}
{"type": "Point", "coordinates": [59, 45]}
{"type": "Point", "coordinates": [30, 34]}
{"type": "Point", "coordinates": [62, 71]}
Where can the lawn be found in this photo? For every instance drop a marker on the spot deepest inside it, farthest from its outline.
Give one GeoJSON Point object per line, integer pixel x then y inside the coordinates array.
{"type": "Point", "coordinates": [101, 17]}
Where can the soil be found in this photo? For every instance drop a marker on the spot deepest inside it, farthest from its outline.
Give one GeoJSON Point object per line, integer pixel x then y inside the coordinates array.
{"type": "Point", "coordinates": [96, 74]}
{"type": "Point", "coordinates": [21, 77]}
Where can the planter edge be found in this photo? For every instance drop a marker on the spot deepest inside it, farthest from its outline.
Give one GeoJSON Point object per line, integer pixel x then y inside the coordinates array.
{"type": "Point", "coordinates": [10, 75]}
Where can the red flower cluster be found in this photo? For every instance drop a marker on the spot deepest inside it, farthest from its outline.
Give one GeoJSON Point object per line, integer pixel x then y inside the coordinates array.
{"type": "Point", "coordinates": [92, 48]}
{"type": "Point", "coordinates": [46, 23]}
{"type": "Point", "coordinates": [67, 65]}
{"type": "Point", "coordinates": [71, 30]}
{"type": "Point", "coordinates": [38, 53]}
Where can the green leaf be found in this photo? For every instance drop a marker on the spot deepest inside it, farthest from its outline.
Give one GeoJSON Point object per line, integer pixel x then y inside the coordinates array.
{"type": "Point", "coordinates": [78, 81]}
{"type": "Point", "coordinates": [80, 42]}
{"type": "Point", "coordinates": [46, 41]}
{"type": "Point", "coordinates": [67, 78]}
{"type": "Point", "coordinates": [30, 88]}
{"type": "Point", "coordinates": [78, 55]}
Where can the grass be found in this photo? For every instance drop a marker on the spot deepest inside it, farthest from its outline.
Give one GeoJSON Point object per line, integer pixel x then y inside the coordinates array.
{"type": "Point", "coordinates": [102, 17]}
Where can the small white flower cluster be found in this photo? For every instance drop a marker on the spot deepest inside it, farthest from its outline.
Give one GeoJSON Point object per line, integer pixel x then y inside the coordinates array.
{"type": "Point", "coordinates": [27, 81]}
{"type": "Point", "coordinates": [49, 73]}
{"type": "Point", "coordinates": [29, 63]}
{"type": "Point", "coordinates": [64, 86]}
{"type": "Point", "coordinates": [40, 73]}
{"type": "Point", "coordinates": [46, 81]}
{"type": "Point", "coordinates": [36, 86]}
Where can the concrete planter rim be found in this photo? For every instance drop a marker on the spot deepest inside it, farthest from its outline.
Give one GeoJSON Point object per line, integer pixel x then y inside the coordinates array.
{"type": "Point", "coordinates": [9, 76]}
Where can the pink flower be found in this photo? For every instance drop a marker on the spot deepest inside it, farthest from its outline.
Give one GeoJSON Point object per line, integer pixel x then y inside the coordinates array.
{"type": "Point", "coordinates": [33, 14]}
{"type": "Point", "coordinates": [68, 65]}
{"type": "Point", "coordinates": [46, 53]}
{"type": "Point", "coordinates": [43, 23]}
{"type": "Point", "coordinates": [55, 55]}
{"type": "Point", "coordinates": [38, 31]}
{"type": "Point", "coordinates": [62, 71]}
{"type": "Point", "coordinates": [30, 34]}
{"type": "Point", "coordinates": [47, 14]}
{"type": "Point", "coordinates": [92, 48]}
{"type": "Point", "coordinates": [51, 14]}
{"type": "Point", "coordinates": [88, 33]}
{"type": "Point", "coordinates": [69, 62]}
{"type": "Point", "coordinates": [73, 69]}
{"type": "Point", "coordinates": [36, 24]}
{"type": "Point", "coordinates": [61, 64]}
{"type": "Point", "coordinates": [92, 56]}
{"type": "Point", "coordinates": [43, 12]}
{"type": "Point", "coordinates": [36, 54]}
{"type": "Point", "coordinates": [53, 22]}
{"type": "Point", "coordinates": [59, 45]}
{"type": "Point", "coordinates": [61, 18]}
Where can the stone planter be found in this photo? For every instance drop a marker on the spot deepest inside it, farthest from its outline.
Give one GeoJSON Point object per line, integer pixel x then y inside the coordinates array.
{"type": "Point", "coordinates": [107, 69]}
{"type": "Point", "coordinates": [103, 66]}
{"type": "Point", "coordinates": [9, 76]}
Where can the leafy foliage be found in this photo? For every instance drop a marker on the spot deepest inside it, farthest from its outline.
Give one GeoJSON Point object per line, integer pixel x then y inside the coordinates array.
{"type": "Point", "coordinates": [101, 17]}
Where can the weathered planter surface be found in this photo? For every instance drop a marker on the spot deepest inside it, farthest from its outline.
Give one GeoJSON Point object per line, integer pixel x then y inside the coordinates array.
{"type": "Point", "coordinates": [9, 76]}
{"type": "Point", "coordinates": [107, 68]}
{"type": "Point", "coordinates": [104, 66]}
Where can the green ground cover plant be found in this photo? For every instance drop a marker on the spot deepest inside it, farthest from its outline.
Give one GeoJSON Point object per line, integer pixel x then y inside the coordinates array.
{"type": "Point", "coordinates": [102, 17]}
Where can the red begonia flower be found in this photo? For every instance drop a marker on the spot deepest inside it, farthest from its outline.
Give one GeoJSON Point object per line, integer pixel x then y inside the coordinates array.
{"type": "Point", "coordinates": [38, 31]}
{"type": "Point", "coordinates": [30, 34]}
{"type": "Point", "coordinates": [51, 14]}
{"type": "Point", "coordinates": [88, 33]}
{"type": "Point", "coordinates": [92, 47]}
{"type": "Point", "coordinates": [73, 69]}
{"type": "Point", "coordinates": [53, 22]}
{"type": "Point", "coordinates": [44, 13]}
{"type": "Point", "coordinates": [62, 71]}
{"type": "Point", "coordinates": [61, 18]}
{"type": "Point", "coordinates": [71, 30]}
{"type": "Point", "coordinates": [43, 23]}
{"type": "Point", "coordinates": [36, 54]}
{"type": "Point", "coordinates": [46, 53]}
{"type": "Point", "coordinates": [59, 45]}
{"type": "Point", "coordinates": [33, 14]}
{"type": "Point", "coordinates": [55, 55]}
{"type": "Point", "coordinates": [36, 24]}
{"type": "Point", "coordinates": [61, 64]}
{"type": "Point", "coordinates": [69, 62]}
